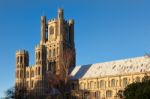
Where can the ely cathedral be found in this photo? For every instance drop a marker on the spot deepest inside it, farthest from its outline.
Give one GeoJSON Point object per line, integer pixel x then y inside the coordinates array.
{"type": "Point", "coordinates": [93, 81]}
{"type": "Point", "coordinates": [57, 36]}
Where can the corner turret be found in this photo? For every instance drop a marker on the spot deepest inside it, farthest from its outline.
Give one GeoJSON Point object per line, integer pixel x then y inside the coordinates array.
{"type": "Point", "coordinates": [71, 31]}
{"type": "Point", "coordinates": [43, 29]}
{"type": "Point", "coordinates": [22, 61]}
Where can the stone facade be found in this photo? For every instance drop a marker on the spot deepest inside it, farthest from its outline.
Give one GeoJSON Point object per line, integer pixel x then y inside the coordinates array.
{"type": "Point", "coordinates": [104, 80]}
{"type": "Point", "coordinates": [57, 35]}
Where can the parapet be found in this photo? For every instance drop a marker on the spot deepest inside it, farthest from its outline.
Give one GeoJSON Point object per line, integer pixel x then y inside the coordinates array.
{"type": "Point", "coordinates": [21, 51]}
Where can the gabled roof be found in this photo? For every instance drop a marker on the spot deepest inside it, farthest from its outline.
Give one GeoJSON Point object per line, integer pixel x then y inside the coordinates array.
{"type": "Point", "coordinates": [118, 67]}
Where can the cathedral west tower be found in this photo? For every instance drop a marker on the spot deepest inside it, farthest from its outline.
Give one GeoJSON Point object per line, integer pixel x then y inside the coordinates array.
{"type": "Point", "coordinates": [57, 36]}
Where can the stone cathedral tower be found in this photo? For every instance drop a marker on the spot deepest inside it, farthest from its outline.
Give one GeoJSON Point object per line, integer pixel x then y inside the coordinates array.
{"type": "Point", "coordinates": [57, 35]}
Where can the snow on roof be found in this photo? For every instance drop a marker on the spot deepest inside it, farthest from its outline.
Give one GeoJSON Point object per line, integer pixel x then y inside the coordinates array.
{"type": "Point", "coordinates": [118, 67]}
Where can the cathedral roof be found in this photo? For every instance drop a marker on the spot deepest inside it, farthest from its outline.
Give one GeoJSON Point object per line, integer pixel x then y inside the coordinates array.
{"type": "Point", "coordinates": [118, 67]}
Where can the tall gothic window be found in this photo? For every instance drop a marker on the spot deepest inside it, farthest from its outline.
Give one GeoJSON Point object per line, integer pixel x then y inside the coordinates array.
{"type": "Point", "coordinates": [39, 71]}
{"type": "Point", "coordinates": [51, 30]}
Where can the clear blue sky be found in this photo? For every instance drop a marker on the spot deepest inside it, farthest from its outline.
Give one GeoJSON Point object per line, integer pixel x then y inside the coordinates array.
{"type": "Point", "coordinates": [105, 30]}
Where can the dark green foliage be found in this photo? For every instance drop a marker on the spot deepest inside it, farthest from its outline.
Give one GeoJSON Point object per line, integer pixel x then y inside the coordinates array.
{"type": "Point", "coordinates": [10, 93]}
{"type": "Point", "coordinates": [131, 90]}
{"type": "Point", "coordinates": [120, 94]}
{"type": "Point", "coordinates": [138, 90]}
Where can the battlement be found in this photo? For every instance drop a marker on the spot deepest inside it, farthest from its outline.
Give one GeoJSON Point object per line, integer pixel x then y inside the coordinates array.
{"type": "Point", "coordinates": [21, 51]}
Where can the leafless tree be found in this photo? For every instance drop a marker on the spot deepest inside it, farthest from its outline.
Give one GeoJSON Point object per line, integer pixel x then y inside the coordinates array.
{"type": "Point", "coordinates": [66, 64]}
{"type": "Point", "coordinates": [60, 82]}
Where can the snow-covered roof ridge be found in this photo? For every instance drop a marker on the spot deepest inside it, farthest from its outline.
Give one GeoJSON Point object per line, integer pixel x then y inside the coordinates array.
{"type": "Point", "coordinates": [117, 67]}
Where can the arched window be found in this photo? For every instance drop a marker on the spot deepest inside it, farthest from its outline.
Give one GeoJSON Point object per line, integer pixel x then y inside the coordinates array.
{"type": "Point", "coordinates": [125, 82]}
{"type": "Point", "coordinates": [21, 58]}
{"type": "Point", "coordinates": [39, 55]}
{"type": "Point", "coordinates": [81, 85]}
{"type": "Point", "coordinates": [51, 30]}
{"type": "Point", "coordinates": [17, 74]}
{"type": "Point", "coordinates": [137, 79]}
{"type": "Point", "coordinates": [97, 95]}
{"type": "Point", "coordinates": [49, 53]}
{"type": "Point", "coordinates": [17, 59]}
{"type": "Point", "coordinates": [102, 84]}
{"type": "Point", "coordinates": [32, 73]}
{"type": "Point", "coordinates": [27, 74]}
{"type": "Point", "coordinates": [92, 85]}
{"type": "Point", "coordinates": [39, 71]}
{"type": "Point", "coordinates": [54, 52]}
{"type": "Point", "coordinates": [113, 83]}
{"type": "Point", "coordinates": [108, 93]}
{"type": "Point", "coordinates": [32, 83]}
